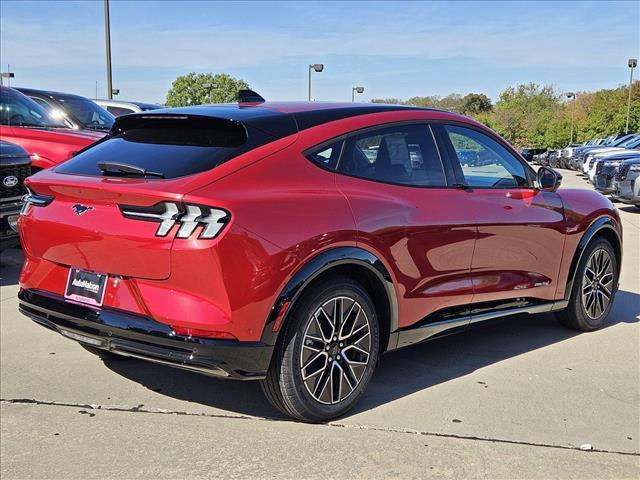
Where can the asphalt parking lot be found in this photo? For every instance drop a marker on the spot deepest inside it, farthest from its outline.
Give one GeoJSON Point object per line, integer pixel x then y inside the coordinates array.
{"type": "Point", "coordinates": [522, 398]}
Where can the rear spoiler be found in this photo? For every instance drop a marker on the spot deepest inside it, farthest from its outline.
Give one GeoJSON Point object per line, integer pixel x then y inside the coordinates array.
{"type": "Point", "coordinates": [267, 121]}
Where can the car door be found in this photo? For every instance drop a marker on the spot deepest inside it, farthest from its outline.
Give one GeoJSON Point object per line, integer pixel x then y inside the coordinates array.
{"type": "Point", "coordinates": [521, 233]}
{"type": "Point", "coordinates": [407, 211]}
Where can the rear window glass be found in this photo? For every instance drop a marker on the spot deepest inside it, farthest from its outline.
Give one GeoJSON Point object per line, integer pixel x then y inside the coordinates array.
{"type": "Point", "coordinates": [172, 147]}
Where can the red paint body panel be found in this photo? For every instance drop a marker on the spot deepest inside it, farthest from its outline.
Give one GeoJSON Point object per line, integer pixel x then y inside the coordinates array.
{"type": "Point", "coordinates": [49, 147]}
{"type": "Point", "coordinates": [443, 247]}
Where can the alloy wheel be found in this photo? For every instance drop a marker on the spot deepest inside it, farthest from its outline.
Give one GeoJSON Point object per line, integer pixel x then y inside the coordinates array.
{"type": "Point", "coordinates": [335, 350]}
{"type": "Point", "coordinates": [597, 283]}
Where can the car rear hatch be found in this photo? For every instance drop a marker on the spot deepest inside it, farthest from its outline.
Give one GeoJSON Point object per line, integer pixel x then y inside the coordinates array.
{"type": "Point", "coordinates": [113, 207]}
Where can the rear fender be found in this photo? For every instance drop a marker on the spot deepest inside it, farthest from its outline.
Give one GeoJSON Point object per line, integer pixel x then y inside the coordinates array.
{"type": "Point", "coordinates": [323, 263]}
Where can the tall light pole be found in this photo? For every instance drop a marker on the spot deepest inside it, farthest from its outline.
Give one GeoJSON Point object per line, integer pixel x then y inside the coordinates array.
{"type": "Point", "coordinates": [573, 113]}
{"type": "Point", "coordinates": [355, 90]}
{"type": "Point", "coordinates": [107, 35]}
{"type": "Point", "coordinates": [318, 67]}
{"type": "Point", "coordinates": [8, 75]}
{"type": "Point", "coordinates": [633, 63]}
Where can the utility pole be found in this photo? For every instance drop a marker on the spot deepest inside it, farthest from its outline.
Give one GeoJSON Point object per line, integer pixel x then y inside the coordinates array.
{"type": "Point", "coordinates": [633, 62]}
{"type": "Point", "coordinates": [107, 34]}
{"type": "Point", "coordinates": [573, 113]}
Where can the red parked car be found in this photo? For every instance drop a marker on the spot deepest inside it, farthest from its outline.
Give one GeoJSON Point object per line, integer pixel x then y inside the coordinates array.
{"type": "Point", "coordinates": [295, 243]}
{"type": "Point", "coordinates": [48, 141]}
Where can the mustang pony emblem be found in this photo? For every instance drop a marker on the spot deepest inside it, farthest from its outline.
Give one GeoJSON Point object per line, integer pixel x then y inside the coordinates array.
{"type": "Point", "coordinates": [80, 209]}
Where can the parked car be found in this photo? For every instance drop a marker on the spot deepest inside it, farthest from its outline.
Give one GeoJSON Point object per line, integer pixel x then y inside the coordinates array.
{"type": "Point", "coordinates": [48, 141]}
{"type": "Point", "coordinates": [529, 153]}
{"type": "Point", "coordinates": [627, 182]}
{"type": "Point", "coordinates": [607, 168]}
{"type": "Point", "coordinates": [631, 141]}
{"type": "Point", "coordinates": [118, 108]}
{"type": "Point", "coordinates": [276, 250]}
{"type": "Point", "coordinates": [15, 166]}
{"type": "Point", "coordinates": [78, 112]}
{"type": "Point", "coordinates": [595, 158]}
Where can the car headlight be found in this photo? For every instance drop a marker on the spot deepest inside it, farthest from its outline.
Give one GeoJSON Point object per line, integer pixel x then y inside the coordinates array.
{"type": "Point", "coordinates": [635, 167]}
{"type": "Point", "coordinates": [615, 163]}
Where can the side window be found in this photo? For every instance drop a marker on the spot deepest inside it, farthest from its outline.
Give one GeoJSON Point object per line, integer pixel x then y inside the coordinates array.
{"type": "Point", "coordinates": [404, 154]}
{"type": "Point", "coordinates": [327, 155]}
{"type": "Point", "coordinates": [484, 162]}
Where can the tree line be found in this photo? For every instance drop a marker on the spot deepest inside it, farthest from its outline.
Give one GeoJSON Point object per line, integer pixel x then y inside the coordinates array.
{"type": "Point", "coordinates": [539, 116]}
{"type": "Point", "coordinates": [527, 115]}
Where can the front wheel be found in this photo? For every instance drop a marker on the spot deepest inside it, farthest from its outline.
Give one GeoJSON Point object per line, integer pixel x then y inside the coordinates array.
{"type": "Point", "coordinates": [328, 353]}
{"type": "Point", "coordinates": [594, 288]}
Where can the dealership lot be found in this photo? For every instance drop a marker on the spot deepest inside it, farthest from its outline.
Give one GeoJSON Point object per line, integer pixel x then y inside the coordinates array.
{"type": "Point", "coordinates": [518, 398]}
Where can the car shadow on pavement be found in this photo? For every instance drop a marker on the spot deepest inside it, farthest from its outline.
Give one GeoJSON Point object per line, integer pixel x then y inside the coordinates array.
{"type": "Point", "coordinates": [629, 208]}
{"type": "Point", "coordinates": [11, 260]}
{"type": "Point", "coordinates": [401, 373]}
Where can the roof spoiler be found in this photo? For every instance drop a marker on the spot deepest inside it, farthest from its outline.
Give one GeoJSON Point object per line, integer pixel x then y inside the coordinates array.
{"type": "Point", "coordinates": [249, 96]}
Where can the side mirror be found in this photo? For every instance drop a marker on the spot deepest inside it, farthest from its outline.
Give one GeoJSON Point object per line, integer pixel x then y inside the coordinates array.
{"type": "Point", "coordinates": [548, 179]}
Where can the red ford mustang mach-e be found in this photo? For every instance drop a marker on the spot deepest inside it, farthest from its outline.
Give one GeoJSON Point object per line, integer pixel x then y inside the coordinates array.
{"type": "Point", "coordinates": [295, 243]}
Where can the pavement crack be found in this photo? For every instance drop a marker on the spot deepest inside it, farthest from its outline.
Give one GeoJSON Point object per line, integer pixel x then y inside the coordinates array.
{"type": "Point", "coordinates": [160, 411]}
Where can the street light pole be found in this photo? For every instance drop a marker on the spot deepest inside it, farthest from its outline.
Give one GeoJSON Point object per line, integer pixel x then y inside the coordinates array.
{"type": "Point", "coordinates": [318, 67]}
{"type": "Point", "coordinates": [355, 90]}
{"type": "Point", "coordinates": [633, 62]}
{"type": "Point", "coordinates": [107, 34]}
{"type": "Point", "coordinates": [573, 113]}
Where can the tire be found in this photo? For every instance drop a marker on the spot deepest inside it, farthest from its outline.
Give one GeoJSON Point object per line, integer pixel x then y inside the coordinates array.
{"type": "Point", "coordinates": [587, 310]}
{"type": "Point", "coordinates": [105, 355]}
{"type": "Point", "coordinates": [307, 350]}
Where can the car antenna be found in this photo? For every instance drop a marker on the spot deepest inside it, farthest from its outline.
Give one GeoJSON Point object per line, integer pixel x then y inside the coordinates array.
{"type": "Point", "coordinates": [249, 96]}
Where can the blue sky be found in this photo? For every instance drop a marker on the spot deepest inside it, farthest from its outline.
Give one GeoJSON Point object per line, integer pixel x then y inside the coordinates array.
{"type": "Point", "coordinates": [393, 49]}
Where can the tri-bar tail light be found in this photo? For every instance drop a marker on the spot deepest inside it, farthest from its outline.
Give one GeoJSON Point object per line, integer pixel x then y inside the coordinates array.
{"type": "Point", "coordinates": [34, 199]}
{"type": "Point", "coordinates": [188, 216]}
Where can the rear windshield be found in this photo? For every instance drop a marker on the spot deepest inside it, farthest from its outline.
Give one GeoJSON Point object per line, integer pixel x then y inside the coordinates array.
{"type": "Point", "coordinates": [164, 146]}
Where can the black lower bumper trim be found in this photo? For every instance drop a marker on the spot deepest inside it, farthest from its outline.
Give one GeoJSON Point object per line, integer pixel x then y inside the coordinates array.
{"type": "Point", "coordinates": [140, 337]}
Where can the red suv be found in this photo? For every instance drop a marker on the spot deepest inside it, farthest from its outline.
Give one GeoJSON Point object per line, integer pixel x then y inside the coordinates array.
{"type": "Point", "coordinates": [295, 243]}
{"type": "Point", "coordinates": [48, 141]}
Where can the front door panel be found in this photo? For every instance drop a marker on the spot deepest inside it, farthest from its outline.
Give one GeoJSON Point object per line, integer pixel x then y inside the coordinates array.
{"type": "Point", "coordinates": [519, 246]}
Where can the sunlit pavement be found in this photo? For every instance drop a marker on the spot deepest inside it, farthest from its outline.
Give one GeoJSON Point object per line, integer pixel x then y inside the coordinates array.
{"type": "Point", "coordinates": [523, 398]}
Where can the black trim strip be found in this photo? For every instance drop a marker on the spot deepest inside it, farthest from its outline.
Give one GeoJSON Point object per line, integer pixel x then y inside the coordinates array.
{"type": "Point", "coordinates": [320, 264]}
{"type": "Point", "coordinates": [446, 322]}
{"type": "Point", "coordinates": [598, 225]}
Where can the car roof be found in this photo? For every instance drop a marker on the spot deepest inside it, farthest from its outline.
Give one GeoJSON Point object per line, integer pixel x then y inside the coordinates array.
{"type": "Point", "coordinates": [48, 93]}
{"type": "Point", "coordinates": [290, 116]}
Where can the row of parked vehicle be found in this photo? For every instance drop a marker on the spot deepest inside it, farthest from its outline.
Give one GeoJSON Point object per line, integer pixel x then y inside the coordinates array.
{"type": "Point", "coordinates": [39, 129]}
{"type": "Point", "coordinates": [611, 164]}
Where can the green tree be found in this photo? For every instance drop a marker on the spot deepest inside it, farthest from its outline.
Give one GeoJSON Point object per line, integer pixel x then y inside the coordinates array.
{"type": "Point", "coordinates": [201, 88]}
{"type": "Point", "coordinates": [476, 103]}
{"type": "Point", "coordinates": [522, 114]}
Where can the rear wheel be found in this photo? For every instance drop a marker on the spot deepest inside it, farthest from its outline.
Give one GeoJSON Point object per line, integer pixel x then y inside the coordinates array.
{"type": "Point", "coordinates": [328, 352]}
{"type": "Point", "coordinates": [594, 288]}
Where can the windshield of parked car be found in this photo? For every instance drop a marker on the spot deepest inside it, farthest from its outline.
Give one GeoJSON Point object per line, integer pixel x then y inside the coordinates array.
{"type": "Point", "coordinates": [90, 114]}
{"type": "Point", "coordinates": [628, 141]}
{"type": "Point", "coordinates": [18, 110]}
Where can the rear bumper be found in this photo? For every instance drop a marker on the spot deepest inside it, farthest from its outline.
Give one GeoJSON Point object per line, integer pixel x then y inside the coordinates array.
{"type": "Point", "coordinates": [144, 338]}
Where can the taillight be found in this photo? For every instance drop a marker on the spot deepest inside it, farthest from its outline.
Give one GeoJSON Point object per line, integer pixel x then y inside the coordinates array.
{"type": "Point", "coordinates": [189, 217]}
{"type": "Point", "coordinates": [34, 199]}
{"type": "Point", "coordinates": [198, 332]}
